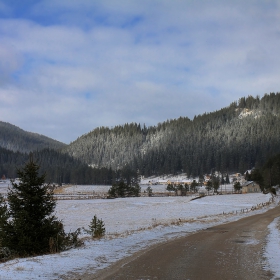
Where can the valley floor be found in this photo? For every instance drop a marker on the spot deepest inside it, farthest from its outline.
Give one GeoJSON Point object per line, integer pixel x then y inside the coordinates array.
{"type": "Point", "coordinates": [134, 224]}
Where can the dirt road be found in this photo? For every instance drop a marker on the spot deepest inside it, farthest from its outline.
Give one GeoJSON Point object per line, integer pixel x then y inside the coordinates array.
{"type": "Point", "coordinates": [225, 252]}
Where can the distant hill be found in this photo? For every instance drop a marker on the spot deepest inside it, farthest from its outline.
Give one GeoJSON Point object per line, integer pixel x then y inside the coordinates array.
{"type": "Point", "coordinates": [235, 138]}
{"type": "Point", "coordinates": [15, 145]}
{"type": "Point", "coordinates": [59, 167]}
{"type": "Point", "coordinates": [16, 139]}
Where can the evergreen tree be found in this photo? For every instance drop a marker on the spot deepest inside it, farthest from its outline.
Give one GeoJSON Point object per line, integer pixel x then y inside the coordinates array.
{"type": "Point", "coordinates": [180, 190]}
{"type": "Point", "coordinates": [237, 186]}
{"type": "Point", "coordinates": [96, 227]}
{"type": "Point", "coordinates": [247, 176]}
{"type": "Point", "coordinates": [28, 225]}
{"type": "Point", "coordinates": [216, 183]}
{"type": "Point", "coordinates": [257, 176]}
{"type": "Point", "coordinates": [122, 189]}
{"type": "Point", "coordinates": [170, 188]}
{"type": "Point", "coordinates": [187, 188]}
{"type": "Point", "coordinates": [193, 186]}
{"type": "Point", "coordinates": [209, 186]}
{"type": "Point", "coordinates": [223, 180]}
{"type": "Point", "coordinates": [227, 179]}
{"type": "Point", "coordinates": [149, 191]}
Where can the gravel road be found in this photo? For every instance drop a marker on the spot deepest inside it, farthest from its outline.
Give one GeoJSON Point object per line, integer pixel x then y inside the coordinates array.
{"type": "Point", "coordinates": [225, 252]}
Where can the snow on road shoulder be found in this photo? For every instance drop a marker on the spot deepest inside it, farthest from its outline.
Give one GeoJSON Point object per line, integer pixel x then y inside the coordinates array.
{"type": "Point", "coordinates": [131, 224]}
{"type": "Point", "coordinates": [272, 250]}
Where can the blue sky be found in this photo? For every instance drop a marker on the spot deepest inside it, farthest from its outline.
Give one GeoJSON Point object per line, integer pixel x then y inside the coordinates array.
{"type": "Point", "coordinates": [69, 66]}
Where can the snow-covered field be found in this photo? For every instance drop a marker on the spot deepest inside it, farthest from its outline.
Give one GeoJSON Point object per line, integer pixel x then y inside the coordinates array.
{"type": "Point", "coordinates": [102, 189]}
{"type": "Point", "coordinates": [133, 224]}
{"type": "Point", "coordinates": [131, 214]}
{"type": "Point", "coordinates": [4, 187]}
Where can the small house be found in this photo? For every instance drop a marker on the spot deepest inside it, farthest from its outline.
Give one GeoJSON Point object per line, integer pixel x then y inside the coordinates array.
{"type": "Point", "coordinates": [251, 187]}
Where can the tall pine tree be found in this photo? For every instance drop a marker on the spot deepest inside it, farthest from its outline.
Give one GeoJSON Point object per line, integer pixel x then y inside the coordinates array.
{"type": "Point", "coordinates": [28, 224]}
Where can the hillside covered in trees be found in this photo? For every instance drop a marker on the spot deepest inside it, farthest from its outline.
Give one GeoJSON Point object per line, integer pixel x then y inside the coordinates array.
{"type": "Point", "coordinates": [60, 168]}
{"type": "Point", "coordinates": [235, 138]}
{"type": "Point", "coordinates": [18, 140]}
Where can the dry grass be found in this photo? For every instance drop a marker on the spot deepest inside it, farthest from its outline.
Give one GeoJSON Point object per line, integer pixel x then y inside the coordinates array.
{"type": "Point", "coordinates": [59, 190]}
{"type": "Point", "coordinates": [19, 268]}
{"type": "Point", "coordinates": [155, 223]}
{"type": "Point", "coordinates": [179, 221]}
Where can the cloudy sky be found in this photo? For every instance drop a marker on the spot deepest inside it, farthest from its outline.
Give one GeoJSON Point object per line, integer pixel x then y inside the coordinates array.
{"type": "Point", "coordinates": [69, 66]}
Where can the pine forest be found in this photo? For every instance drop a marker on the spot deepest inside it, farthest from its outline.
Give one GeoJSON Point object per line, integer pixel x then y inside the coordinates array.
{"type": "Point", "coordinates": [233, 139]}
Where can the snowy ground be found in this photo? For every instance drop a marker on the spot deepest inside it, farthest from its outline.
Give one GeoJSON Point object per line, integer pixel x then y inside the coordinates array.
{"type": "Point", "coordinates": [272, 250]}
{"type": "Point", "coordinates": [102, 190]}
{"type": "Point", "coordinates": [133, 224]}
{"type": "Point", "coordinates": [4, 187]}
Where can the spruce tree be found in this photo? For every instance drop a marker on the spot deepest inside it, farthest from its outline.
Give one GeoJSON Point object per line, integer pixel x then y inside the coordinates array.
{"type": "Point", "coordinates": [96, 227]}
{"type": "Point", "coordinates": [227, 179]}
{"type": "Point", "coordinates": [237, 186]}
{"type": "Point", "coordinates": [149, 191]}
{"type": "Point", "coordinates": [29, 225]}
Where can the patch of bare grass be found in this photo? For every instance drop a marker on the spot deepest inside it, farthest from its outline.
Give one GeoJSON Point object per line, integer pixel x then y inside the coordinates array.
{"type": "Point", "coordinates": [19, 268]}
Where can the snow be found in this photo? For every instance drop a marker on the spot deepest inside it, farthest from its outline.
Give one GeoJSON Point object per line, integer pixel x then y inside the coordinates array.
{"type": "Point", "coordinates": [131, 224]}
{"type": "Point", "coordinates": [272, 250]}
{"type": "Point", "coordinates": [173, 178]}
{"type": "Point", "coordinates": [102, 190]}
{"type": "Point", "coordinates": [96, 189]}
{"type": "Point", "coordinates": [4, 187]}
{"type": "Point", "coordinates": [246, 112]}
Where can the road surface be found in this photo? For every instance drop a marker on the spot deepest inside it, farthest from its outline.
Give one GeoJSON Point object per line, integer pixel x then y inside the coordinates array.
{"type": "Point", "coordinates": [225, 252]}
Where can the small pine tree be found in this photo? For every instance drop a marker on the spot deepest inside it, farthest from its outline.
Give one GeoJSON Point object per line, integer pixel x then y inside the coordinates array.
{"type": "Point", "coordinates": [216, 185]}
{"type": "Point", "coordinates": [237, 186]}
{"type": "Point", "coordinates": [223, 180]}
{"type": "Point", "coordinates": [96, 227]}
{"type": "Point", "coordinates": [209, 186]}
{"type": "Point", "coordinates": [193, 186]}
{"type": "Point", "coordinates": [180, 190]}
{"type": "Point", "coordinates": [170, 187]}
{"type": "Point", "coordinates": [227, 179]}
{"type": "Point", "coordinates": [149, 191]}
{"type": "Point", "coordinates": [27, 223]}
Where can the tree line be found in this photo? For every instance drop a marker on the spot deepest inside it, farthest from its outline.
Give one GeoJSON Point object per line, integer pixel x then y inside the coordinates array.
{"type": "Point", "coordinates": [62, 168]}
{"type": "Point", "coordinates": [233, 139]}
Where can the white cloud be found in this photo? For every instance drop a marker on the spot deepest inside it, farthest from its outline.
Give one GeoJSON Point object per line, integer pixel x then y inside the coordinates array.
{"type": "Point", "coordinates": [69, 66]}
{"type": "Point", "coordinates": [10, 61]}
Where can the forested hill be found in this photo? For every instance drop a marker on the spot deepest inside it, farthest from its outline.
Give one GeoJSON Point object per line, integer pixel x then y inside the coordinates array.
{"type": "Point", "coordinates": [59, 167]}
{"type": "Point", "coordinates": [235, 138]}
{"type": "Point", "coordinates": [15, 139]}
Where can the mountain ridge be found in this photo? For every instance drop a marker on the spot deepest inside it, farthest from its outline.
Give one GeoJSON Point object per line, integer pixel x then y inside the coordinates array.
{"type": "Point", "coordinates": [16, 139]}
{"type": "Point", "coordinates": [236, 137]}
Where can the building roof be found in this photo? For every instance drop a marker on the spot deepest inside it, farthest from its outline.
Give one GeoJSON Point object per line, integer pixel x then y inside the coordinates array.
{"type": "Point", "coordinates": [248, 183]}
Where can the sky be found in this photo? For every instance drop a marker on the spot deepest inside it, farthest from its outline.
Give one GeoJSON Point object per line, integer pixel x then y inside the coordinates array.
{"type": "Point", "coordinates": [69, 66]}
